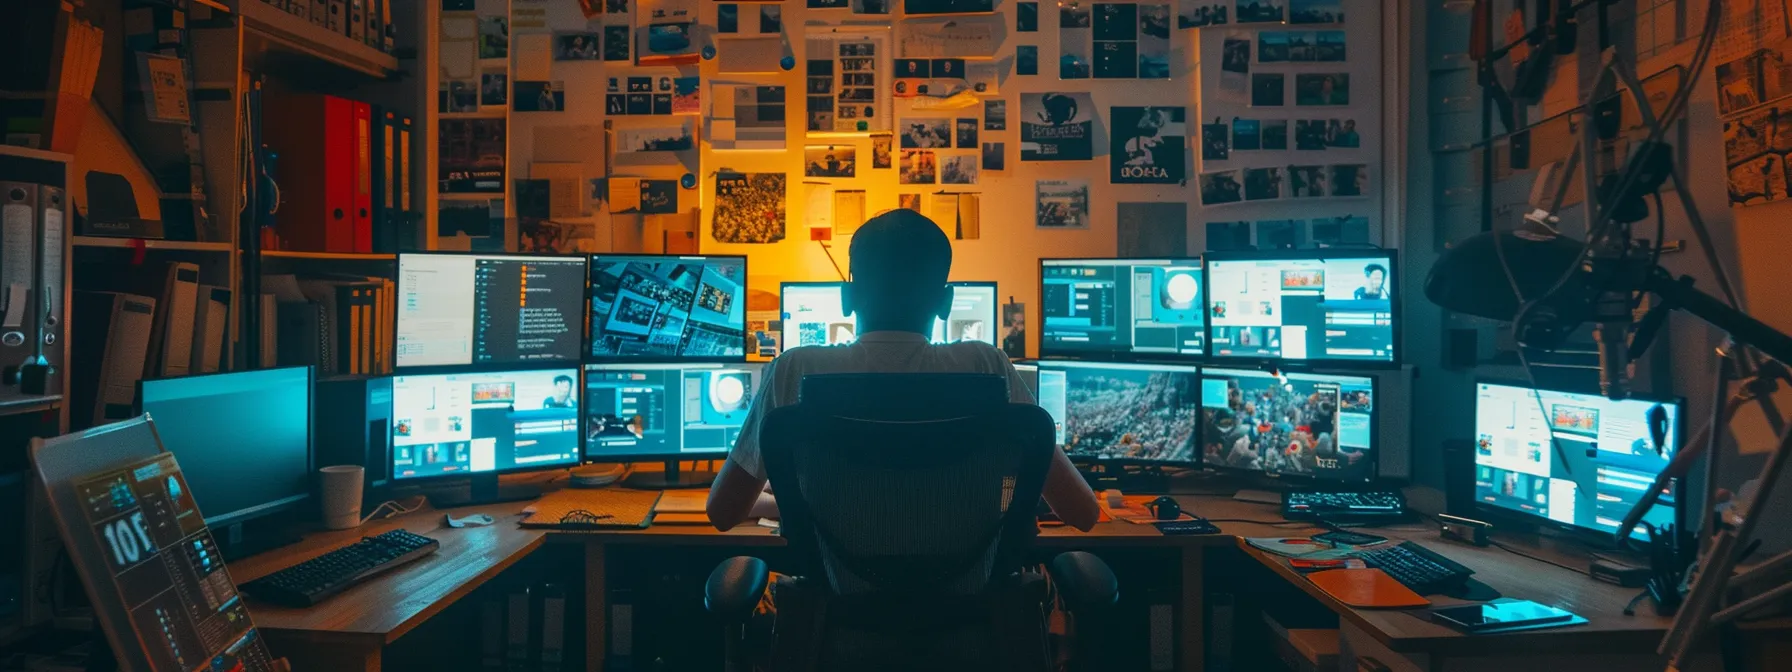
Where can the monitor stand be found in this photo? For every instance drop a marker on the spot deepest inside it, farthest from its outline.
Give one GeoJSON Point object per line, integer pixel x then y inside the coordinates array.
{"type": "Point", "coordinates": [670, 479]}
{"type": "Point", "coordinates": [483, 489]}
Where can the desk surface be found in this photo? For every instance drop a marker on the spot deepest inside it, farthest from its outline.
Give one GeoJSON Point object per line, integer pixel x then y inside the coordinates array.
{"type": "Point", "coordinates": [390, 605]}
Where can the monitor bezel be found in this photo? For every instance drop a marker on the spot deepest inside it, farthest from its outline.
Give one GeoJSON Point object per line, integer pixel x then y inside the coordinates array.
{"type": "Point", "coordinates": [1587, 534]}
{"type": "Point", "coordinates": [391, 466]}
{"type": "Point", "coordinates": [1319, 254]}
{"type": "Point", "coordinates": [783, 323]}
{"type": "Point", "coordinates": [585, 455]}
{"type": "Point", "coordinates": [586, 356]}
{"type": "Point", "coordinates": [242, 516]}
{"type": "Point", "coordinates": [1128, 355]}
{"type": "Point", "coordinates": [1305, 479]}
{"type": "Point", "coordinates": [1193, 463]}
{"type": "Point", "coordinates": [425, 369]}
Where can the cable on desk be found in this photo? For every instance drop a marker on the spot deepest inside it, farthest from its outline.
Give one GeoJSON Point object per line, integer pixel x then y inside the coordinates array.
{"type": "Point", "coordinates": [1522, 554]}
{"type": "Point", "coordinates": [392, 508]}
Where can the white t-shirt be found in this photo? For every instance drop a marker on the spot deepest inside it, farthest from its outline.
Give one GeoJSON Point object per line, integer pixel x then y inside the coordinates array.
{"type": "Point", "coordinates": [874, 352]}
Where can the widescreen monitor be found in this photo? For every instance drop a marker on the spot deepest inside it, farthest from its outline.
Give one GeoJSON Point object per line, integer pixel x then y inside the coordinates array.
{"type": "Point", "coordinates": [1121, 308]}
{"type": "Point", "coordinates": [489, 310]}
{"type": "Point", "coordinates": [1294, 424]}
{"type": "Point", "coordinates": [1321, 306]}
{"type": "Point", "coordinates": [487, 422]}
{"type": "Point", "coordinates": [243, 439]}
{"type": "Point", "coordinates": [1137, 413]}
{"type": "Point", "coordinates": [1606, 462]}
{"type": "Point", "coordinates": [664, 412]}
{"type": "Point", "coordinates": [812, 315]}
{"type": "Point", "coordinates": [666, 308]}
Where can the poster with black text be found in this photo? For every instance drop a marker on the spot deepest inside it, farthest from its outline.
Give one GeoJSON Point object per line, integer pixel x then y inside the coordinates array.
{"type": "Point", "coordinates": [1057, 127]}
{"type": "Point", "coordinates": [1148, 145]}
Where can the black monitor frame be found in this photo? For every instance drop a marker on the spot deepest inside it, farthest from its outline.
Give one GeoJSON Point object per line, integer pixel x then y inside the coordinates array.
{"type": "Point", "coordinates": [398, 294]}
{"type": "Point", "coordinates": [231, 518]}
{"type": "Point", "coordinates": [1596, 537]}
{"type": "Point", "coordinates": [1304, 480]}
{"type": "Point", "coordinates": [1117, 356]}
{"type": "Point", "coordinates": [484, 485]}
{"type": "Point", "coordinates": [1193, 463]}
{"type": "Point", "coordinates": [783, 328]}
{"type": "Point", "coordinates": [1311, 363]}
{"type": "Point", "coordinates": [591, 329]}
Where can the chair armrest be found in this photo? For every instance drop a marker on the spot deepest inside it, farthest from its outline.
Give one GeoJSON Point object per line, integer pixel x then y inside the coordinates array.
{"type": "Point", "coordinates": [1084, 581]}
{"type": "Point", "coordinates": [734, 588]}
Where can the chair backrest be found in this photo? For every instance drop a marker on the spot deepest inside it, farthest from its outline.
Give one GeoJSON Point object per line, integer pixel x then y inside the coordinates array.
{"type": "Point", "coordinates": [907, 485]}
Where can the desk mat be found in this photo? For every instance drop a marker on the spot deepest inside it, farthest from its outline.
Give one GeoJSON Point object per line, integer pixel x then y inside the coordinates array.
{"type": "Point", "coordinates": [593, 509]}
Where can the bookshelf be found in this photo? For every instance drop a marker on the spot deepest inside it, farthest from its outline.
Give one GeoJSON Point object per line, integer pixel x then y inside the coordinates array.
{"type": "Point", "coordinates": [326, 256]}
{"type": "Point", "coordinates": [279, 35]}
{"type": "Point", "coordinates": [153, 244]}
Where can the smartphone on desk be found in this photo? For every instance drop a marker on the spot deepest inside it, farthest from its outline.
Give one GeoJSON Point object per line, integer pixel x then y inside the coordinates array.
{"type": "Point", "coordinates": [1501, 615]}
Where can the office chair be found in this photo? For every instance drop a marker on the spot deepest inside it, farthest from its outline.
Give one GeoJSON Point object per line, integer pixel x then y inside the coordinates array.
{"type": "Point", "coordinates": [909, 503]}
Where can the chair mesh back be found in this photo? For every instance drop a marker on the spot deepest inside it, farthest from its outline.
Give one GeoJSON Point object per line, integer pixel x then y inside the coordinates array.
{"type": "Point", "coordinates": [910, 506]}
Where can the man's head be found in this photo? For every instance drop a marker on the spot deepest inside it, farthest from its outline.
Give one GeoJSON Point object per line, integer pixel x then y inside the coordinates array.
{"type": "Point", "coordinates": [900, 261]}
{"type": "Point", "coordinates": [562, 386]}
{"type": "Point", "coordinates": [1376, 275]}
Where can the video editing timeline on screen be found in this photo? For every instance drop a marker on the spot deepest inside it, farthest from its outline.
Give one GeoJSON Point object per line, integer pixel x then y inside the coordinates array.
{"type": "Point", "coordinates": [466, 423]}
{"type": "Point", "coordinates": [814, 315]}
{"type": "Point", "coordinates": [648, 411]}
{"type": "Point", "coordinates": [163, 561]}
{"type": "Point", "coordinates": [1121, 306]}
{"type": "Point", "coordinates": [1298, 308]}
{"type": "Point", "coordinates": [457, 309]}
{"type": "Point", "coordinates": [1131, 412]}
{"type": "Point", "coordinates": [1611, 458]}
{"type": "Point", "coordinates": [1308, 425]}
{"type": "Point", "coordinates": [662, 307]}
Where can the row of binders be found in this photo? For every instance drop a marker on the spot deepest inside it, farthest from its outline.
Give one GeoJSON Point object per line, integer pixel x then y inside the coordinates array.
{"type": "Point", "coordinates": [342, 324]}
{"type": "Point", "coordinates": [367, 21]}
{"type": "Point", "coordinates": [344, 174]}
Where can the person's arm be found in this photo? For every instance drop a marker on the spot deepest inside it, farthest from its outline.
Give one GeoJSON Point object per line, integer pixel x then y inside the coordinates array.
{"type": "Point", "coordinates": [1065, 490]}
{"type": "Point", "coordinates": [737, 488]}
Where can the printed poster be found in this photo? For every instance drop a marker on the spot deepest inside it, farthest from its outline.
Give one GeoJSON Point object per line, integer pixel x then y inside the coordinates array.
{"type": "Point", "coordinates": [1061, 204]}
{"type": "Point", "coordinates": [1149, 145]}
{"type": "Point", "coordinates": [749, 208]}
{"type": "Point", "coordinates": [1057, 127]}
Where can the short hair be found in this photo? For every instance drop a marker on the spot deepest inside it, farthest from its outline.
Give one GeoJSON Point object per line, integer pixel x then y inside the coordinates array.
{"type": "Point", "coordinates": [1371, 268]}
{"type": "Point", "coordinates": [899, 251]}
{"type": "Point", "coordinates": [561, 377]}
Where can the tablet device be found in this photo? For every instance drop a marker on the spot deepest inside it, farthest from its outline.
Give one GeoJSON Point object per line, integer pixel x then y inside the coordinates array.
{"type": "Point", "coordinates": [1501, 615]}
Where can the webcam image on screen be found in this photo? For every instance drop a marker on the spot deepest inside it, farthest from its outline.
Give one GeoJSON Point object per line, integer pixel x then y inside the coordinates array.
{"type": "Point", "coordinates": [655, 307]}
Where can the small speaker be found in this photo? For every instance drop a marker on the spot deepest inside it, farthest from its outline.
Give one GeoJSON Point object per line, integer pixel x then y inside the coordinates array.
{"type": "Point", "coordinates": [1459, 477]}
{"type": "Point", "coordinates": [354, 426]}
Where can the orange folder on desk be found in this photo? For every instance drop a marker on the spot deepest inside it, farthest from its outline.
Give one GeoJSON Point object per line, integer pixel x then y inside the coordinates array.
{"type": "Point", "coordinates": [1367, 588]}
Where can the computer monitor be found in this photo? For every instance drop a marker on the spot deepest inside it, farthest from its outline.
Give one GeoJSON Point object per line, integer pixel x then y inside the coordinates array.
{"type": "Point", "coordinates": [484, 423]}
{"type": "Point", "coordinates": [661, 308]}
{"type": "Point", "coordinates": [1029, 376]}
{"type": "Point", "coordinates": [1320, 306]}
{"type": "Point", "coordinates": [664, 412]}
{"type": "Point", "coordinates": [243, 438]}
{"type": "Point", "coordinates": [1121, 308]}
{"type": "Point", "coordinates": [1606, 462]}
{"type": "Point", "coordinates": [1123, 413]}
{"type": "Point", "coordinates": [1292, 425]}
{"type": "Point", "coordinates": [812, 315]}
{"type": "Point", "coordinates": [487, 309]}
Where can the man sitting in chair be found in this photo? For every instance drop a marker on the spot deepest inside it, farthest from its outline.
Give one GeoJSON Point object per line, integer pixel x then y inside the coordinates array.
{"type": "Point", "coordinates": [900, 262]}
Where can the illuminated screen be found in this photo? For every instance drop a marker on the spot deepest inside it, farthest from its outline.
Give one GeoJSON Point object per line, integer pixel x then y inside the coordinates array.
{"type": "Point", "coordinates": [1611, 460]}
{"type": "Point", "coordinates": [243, 438]}
{"type": "Point", "coordinates": [457, 309]}
{"type": "Point", "coordinates": [664, 411]}
{"type": "Point", "coordinates": [668, 308]}
{"type": "Point", "coordinates": [813, 315]}
{"type": "Point", "coordinates": [469, 423]}
{"type": "Point", "coordinates": [1132, 412]}
{"type": "Point", "coordinates": [1121, 306]}
{"type": "Point", "coordinates": [1319, 426]}
{"type": "Point", "coordinates": [1302, 307]}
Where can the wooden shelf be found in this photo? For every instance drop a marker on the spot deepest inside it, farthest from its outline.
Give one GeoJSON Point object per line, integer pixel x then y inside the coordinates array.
{"type": "Point", "coordinates": [341, 256]}
{"type": "Point", "coordinates": [151, 244]}
{"type": "Point", "coordinates": [29, 404]}
{"type": "Point", "coordinates": [269, 29]}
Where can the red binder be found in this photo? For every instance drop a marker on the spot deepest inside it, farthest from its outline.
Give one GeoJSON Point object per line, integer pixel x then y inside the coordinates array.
{"type": "Point", "coordinates": [314, 139]}
{"type": "Point", "coordinates": [363, 196]}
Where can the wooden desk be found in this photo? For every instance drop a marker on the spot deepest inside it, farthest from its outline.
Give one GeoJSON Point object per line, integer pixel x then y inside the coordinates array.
{"type": "Point", "coordinates": [350, 630]}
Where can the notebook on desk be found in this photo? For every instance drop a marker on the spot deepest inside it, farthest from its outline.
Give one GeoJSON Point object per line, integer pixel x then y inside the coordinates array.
{"type": "Point", "coordinates": [582, 509]}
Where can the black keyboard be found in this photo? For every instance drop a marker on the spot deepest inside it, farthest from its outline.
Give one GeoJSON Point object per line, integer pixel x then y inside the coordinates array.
{"type": "Point", "coordinates": [1420, 569]}
{"type": "Point", "coordinates": [1336, 506]}
{"type": "Point", "coordinates": [314, 580]}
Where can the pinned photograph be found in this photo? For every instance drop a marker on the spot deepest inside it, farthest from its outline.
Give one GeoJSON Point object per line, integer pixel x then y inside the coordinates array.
{"type": "Point", "coordinates": [880, 150]}
{"type": "Point", "coordinates": [1349, 179]}
{"type": "Point", "coordinates": [920, 7]}
{"type": "Point", "coordinates": [1235, 65]}
{"type": "Point", "coordinates": [616, 43]}
{"type": "Point", "coordinates": [909, 202]}
{"type": "Point", "coordinates": [686, 98]}
{"type": "Point", "coordinates": [1061, 204]}
{"type": "Point", "coordinates": [1322, 89]}
{"type": "Point", "coordinates": [749, 208]}
{"type": "Point", "coordinates": [1343, 134]}
{"type": "Point", "coordinates": [995, 156]}
{"type": "Point", "coordinates": [1301, 48]}
{"type": "Point", "coordinates": [1329, 46]}
{"type": "Point", "coordinates": [1074, 41]}
{"type": "Point", "coordinates": [459, 96]}
{"type": "Point", "coordinates": [771, 19]}
{"type": "Point", "coordinates": [1272, 46]}
{"type": "Point", "coordinates": [828, 4]}
{"type": "Point", "coordinates": [830, 161]}
{"type": "Point", "coordinates": [1261, 11]}
{"type": "Point", "coordinates": [1315, 11]}
{"type": "Point", "coordinates": [675, 137]}
{"type": "Point", "coordinates": [575, 46]}
{"type": "Point", "coordinates": [494, 88]}
{"type": "Point", "coordinates": [959, 169]}
{"type": "Point", "coordinates": [1310, 134]}
{"type": "Point", "coordinates": [1247, 134]}
{"type": "Point", "coordinates": [1221, 187]}
{"type": "Point", "coordinates": [1228, 236]}
{"type": "Point", "coordinates": [1262, 184]}
{"type": "Point", "coordinates": [539, 97]}
{"type": "Point", "coordinates": [727, 18]}
{"type": "Point", "coordinates": [926, 133]}
{"type": "Point", "coordinates": [966, 133]}
{"type": "Point", "coordinates": [995, 115]}
{"type": "Point", "coordinates": [1345, 230]}
{"type": "Point", "coordinates": [1269, 89]}
{"type": "Point", "coordinates": [919, 166]}
{"type": "Point", "coordinates": [1149, 145]}
{"type": "Point", "coordinates": [494, 36]}
{"type": "Point", "coordinates": [1057, 126]}
{"type": "Point", "coordinates": [1306, 181]}
{"type": "Point", "coordinates": [1216, 143]}
{"type": "Point", "coordinates": [1026, 60]}
{"type": "Point", "coordinates": [1275, 134]}
{"type": "Point", "coordinates": [1201, 13]}
{"type": "Point", "coordinates": [1154, 41]}
{"type": "Point", "coordinates": [1026, 17]}
{"type": "Point", "coordinates": [1281, 234]}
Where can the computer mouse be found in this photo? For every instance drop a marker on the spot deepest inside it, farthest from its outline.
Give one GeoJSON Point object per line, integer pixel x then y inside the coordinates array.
{"type": "Point", "coordinates": [470, 520]}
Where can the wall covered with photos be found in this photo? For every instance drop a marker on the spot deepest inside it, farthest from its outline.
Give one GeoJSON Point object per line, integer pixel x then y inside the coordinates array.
{"type": "Point", "coordinates": [1026, 129]}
